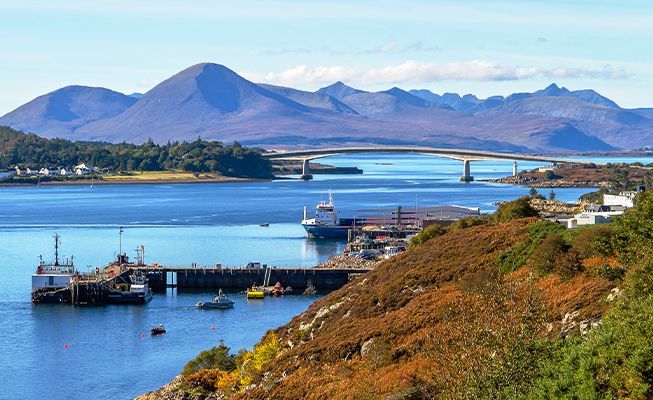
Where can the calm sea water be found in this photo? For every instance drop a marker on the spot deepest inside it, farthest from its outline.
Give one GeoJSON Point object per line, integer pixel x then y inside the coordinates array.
{"type": "Point", "coordinates": [57, 351]}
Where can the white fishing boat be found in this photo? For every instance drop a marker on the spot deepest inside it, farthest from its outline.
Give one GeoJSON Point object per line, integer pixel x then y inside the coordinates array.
{"type": "Point", "coordinates": [219, 302]}
{"type": "Point", "coordinates": [49, 278]}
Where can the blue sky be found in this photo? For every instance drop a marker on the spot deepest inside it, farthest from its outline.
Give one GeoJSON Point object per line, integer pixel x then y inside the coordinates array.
{"type": "Point", "coordinates": [480, 47]}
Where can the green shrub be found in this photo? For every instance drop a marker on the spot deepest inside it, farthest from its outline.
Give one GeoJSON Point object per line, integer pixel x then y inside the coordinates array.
{"type": "Point", "coordinates": [550, 175]}
{"type": "Point", "coordinates": [427, 233]}
{"type": "Point", "coordinates": [611, 273]}
{"type": "Point", "coordinates": [520, 208]}
{"type": "Point", "coordinates": [634, 230]}
{"type": "Point", "coordinates": [518, 255]}
{"type": "Point", "coordinates": [466, 222]}
{"type": "Point", "coordinates": [214, 358]}
{"type": "Point", "coordinates": [554, 254]}
{"type": "Point", "coordinates": [548, 253]}
{"type": "Point", "coordinates": [614, 361]}
{"type": "Point", "coordinates": [594, 240]}
{"type": "Point", "coordinates": [593, 197]}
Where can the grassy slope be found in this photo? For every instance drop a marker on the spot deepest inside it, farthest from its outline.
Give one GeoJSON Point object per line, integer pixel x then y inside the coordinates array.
{"type": "Point", "coordinates": [432, 322]}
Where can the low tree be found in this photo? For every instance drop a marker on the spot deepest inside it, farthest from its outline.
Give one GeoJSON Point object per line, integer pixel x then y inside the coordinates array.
{"type": "Point", "coordinates": [594, 240]}
{"type": "Point", "coordinates": [427, 233]}
{"type": "Point", "coordinates": [520, 208]}
{"type": "Point", "coordinates": [634, 229]}
{"type": "Point", "coordinates": [554, 254]}
{"type": "Point", "coordinates": [214, 358]}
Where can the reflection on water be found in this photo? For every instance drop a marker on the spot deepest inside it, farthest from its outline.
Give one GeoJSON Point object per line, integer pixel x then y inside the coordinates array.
{"type": "Point", "coordinates": [322, 249]}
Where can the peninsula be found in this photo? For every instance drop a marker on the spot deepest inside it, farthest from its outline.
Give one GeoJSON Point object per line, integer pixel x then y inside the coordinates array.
{"type": "Point", "coordinates": [30, 159]}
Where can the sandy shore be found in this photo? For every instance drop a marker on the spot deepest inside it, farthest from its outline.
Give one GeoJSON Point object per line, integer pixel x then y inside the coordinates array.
{"type": "Point", "coordinates": [126, 181]}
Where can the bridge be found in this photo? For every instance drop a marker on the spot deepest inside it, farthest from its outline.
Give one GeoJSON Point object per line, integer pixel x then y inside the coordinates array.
{"type": "Point", "coordinates": [466, 156]}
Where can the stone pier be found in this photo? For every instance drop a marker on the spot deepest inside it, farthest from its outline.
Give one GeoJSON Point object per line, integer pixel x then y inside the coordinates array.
{"type": "Point", "coordinates": [306, 171]}
{"type": "Point", "coordinates": [467, 175]}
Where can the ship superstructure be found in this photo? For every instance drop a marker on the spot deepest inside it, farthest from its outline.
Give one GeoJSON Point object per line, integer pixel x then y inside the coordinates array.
{"type": "Point", "coordinates": [326, 223]}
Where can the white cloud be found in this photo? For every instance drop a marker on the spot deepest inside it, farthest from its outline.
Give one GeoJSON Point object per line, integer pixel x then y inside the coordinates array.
{"type": "Point", "coordinates": [421, 72]}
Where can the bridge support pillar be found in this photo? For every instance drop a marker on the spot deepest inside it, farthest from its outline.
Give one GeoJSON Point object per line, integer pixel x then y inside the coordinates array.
{"type": "Point", "coordinates": [514, 169]}
{"type": "Point", "coordinates": [467, 176]}
{"type": "Point", "coordinates": [306, 171]}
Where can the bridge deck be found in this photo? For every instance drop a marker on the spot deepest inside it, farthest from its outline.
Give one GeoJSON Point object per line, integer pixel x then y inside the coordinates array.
{"type": "Point", "coordinates": [458, 154]}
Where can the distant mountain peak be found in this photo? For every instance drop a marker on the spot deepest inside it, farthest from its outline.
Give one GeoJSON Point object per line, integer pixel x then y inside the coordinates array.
{"type": "Point", "coordinates": [406, 97]}
{"type": "Point", "coordinates": [339, 90]}
{"type": "Point", "coordinates": [63, 110]}
{"type": "Point", "coordinates": [552, 90]}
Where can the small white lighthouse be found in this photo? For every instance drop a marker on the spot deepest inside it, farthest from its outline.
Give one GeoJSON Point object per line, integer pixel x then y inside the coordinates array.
{"type": "Point", "coordinates": [514, 169]}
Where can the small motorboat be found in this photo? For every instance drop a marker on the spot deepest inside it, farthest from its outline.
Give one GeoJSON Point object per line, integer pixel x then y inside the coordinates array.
{"type": "Point", "coordinates": [265, 225]}
{"type": "Point", "coordinates": [310, 289]}
{"type": "Point", "coordinates": [158, 330]}
{"type": "Point", "coordinates": [219, 302]}
{"type": "Point", "coordinates": [256, 293]}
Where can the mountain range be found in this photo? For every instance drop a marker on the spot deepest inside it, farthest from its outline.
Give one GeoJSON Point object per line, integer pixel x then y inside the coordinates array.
{"type": "Point", "coordinates": [213, 102]}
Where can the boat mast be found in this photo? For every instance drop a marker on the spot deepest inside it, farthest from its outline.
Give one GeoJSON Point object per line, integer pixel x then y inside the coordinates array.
{"type": "Point", "coordinates": [120, 248]}
{"type": "Point", "coordinates": [56, 249]}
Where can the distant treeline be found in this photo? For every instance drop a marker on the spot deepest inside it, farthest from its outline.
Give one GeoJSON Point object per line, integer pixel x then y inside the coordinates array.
{"type": "Point", "coordinates": [29, 150]}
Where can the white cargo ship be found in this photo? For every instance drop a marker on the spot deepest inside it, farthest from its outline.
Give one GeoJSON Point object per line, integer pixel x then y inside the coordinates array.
{"type": "Point", "coordinates": [326, 223]}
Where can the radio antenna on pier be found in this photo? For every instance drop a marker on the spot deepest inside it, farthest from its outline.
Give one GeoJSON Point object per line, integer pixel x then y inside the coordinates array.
{"type": "Point", "coordinates": [56, 248]}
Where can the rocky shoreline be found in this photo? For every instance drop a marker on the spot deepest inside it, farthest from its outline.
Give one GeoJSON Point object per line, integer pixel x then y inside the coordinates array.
{"type": "Point", "coordinates": [536, 182]}
{"type": "Point", "coordinates": [345, 261]}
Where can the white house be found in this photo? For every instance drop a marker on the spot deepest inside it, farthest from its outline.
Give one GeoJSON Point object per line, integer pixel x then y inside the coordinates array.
{"type": "Point", "coordinates": [83, 169]}
{"type": "Point", "coordinates": [44, 172]}
{"type": "Point", "coordinates": [592, 218]}
{"type": "Point", "coordinates": [64, 172]}
{"type": "Point", "coordinates": [18, 171]}
{"type": "Point", "coordinates": [624, 199]}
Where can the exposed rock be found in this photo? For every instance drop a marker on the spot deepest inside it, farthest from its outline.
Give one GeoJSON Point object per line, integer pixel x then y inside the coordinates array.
{"type": "Point", "coordinates": [569, 323]}
{"type": "Point", "coordinates": [614, 293]}
{"type": "Point", "coordinates": [172, 391]}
